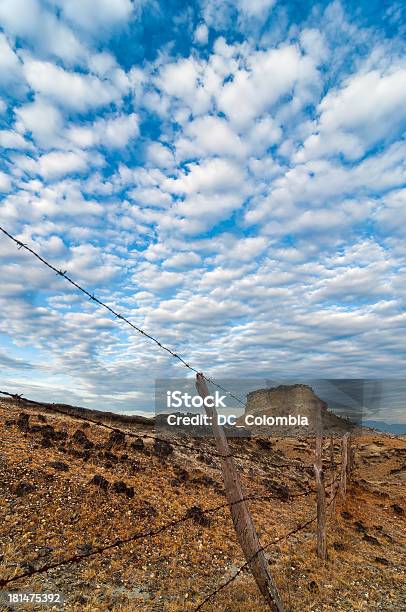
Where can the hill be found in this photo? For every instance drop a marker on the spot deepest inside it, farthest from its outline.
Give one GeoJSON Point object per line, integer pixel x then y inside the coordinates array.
{"type": "Point", "coordinates": [69, 488]}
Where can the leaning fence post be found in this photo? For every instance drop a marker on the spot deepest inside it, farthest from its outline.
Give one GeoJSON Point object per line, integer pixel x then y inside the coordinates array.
{"type": "Point", "coordinates": [321, 513]}
{"type": "Point", "coordinates": [242, 519]}
{"type": "Point", "coordinates": [321, 493]}
{"type": "Point", "coordinates": [344, 464]}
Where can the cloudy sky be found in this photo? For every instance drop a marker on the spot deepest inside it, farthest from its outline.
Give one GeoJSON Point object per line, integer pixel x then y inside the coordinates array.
{"type": "Point", "coordinates": [228, 174]}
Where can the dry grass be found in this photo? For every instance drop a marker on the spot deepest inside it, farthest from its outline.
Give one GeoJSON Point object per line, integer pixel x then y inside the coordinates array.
{"type": "Point", "coordinates": [174, 571]}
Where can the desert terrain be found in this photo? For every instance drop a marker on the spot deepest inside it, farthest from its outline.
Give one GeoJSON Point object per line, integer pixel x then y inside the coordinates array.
{"type": "Point", "coordinates": [69, 488]}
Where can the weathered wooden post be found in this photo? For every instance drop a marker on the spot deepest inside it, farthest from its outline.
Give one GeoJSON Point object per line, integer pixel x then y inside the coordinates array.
{"type": "Point", "coordinates": [332, 450]}
{"type": "Point", "coordinates": [319, 433]}
{"type": "Point", "coordinates": [321, 513]}
{"type": "Point", "coordinates": [241, 516]}
{"type": "Point", "coordinates": [321, 493]}
{"type": "Point", "coordinates": [350, 465]}
{"type": "Point", "coordinates": [344, 464]}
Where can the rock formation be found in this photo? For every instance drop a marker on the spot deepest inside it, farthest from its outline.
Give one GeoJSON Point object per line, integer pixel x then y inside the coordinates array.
{"type": "Point", "coordinates": [297, 401]}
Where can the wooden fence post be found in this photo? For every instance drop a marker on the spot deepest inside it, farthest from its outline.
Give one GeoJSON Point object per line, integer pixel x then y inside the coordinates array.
{"type": "Point", "coordinates": [321, 493]}
{"type": "Point", "coordinates": [321, 513]}
{"type": "Point", "coordinates": [350, 465]}
{"type": "Point", "coordinates": [344, 464]}
{"type": "Point", "coordinates": [319, 434]}
{"type": "Point", "coordinates": [241, 516]}
{"type": "Point", "coordinates": [332, 450]}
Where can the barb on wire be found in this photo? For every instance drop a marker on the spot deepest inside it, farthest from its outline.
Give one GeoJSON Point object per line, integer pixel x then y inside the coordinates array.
{"type": "Point", "coordinates": [131, 434]}
{"type": "Point", "coordinates": [115, 313]}
{"type": "Point", "coordinates": [262, 548]}
{"type": "Point", "coordinates": [138, 536]}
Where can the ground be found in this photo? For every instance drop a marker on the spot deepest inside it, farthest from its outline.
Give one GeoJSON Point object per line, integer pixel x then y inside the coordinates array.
{"type": "Point", "coordinates": [52, 508]}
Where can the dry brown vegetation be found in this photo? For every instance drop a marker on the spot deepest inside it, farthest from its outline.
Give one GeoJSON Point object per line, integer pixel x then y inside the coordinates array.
{"type": "Point", "coordinates": [49, 511]}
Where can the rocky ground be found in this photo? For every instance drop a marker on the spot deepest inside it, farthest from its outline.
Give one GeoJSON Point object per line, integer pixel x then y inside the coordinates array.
{"type": "Point", "coordinates": [68, 488]}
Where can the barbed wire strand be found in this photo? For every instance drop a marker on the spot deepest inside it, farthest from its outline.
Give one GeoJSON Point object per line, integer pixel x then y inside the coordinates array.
{"type": "Point", "coordinates": [138, 536]}
{"type": "Point", "coordinates": [261, 549]}
{"type": "Point", "coordinates": [116, 314]}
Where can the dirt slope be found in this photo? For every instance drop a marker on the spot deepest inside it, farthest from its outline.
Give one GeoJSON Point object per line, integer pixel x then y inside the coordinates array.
{"type": "Point", "coordinates": [53, 508]}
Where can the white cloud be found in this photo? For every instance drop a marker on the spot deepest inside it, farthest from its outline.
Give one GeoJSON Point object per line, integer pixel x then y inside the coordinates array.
{"type": "Point", "coordinates": [12, 140]}
{"type": "Point", "coordinates": [211, 176]}
{"type": "Point", "coordinates": [209, 135]}
{"type": "Point", "coordinates": [5, 183]}
{"type": "Point", "coordinates": [59, 163]}
{"type": "Point", "coordinates": [29, 20]}
{"type": "Point", "coordinates": [269, 75]}
{"type": "Point", "coordinates": [113, 132]}
{"type": "Point", "coordinates": [255, 8]}
{"type": "Point", "coordinates": [183, 260]}
{"type": "Point", "coordinates": [201, 34]}
{"type": "Point", "coordinates": [10, 67]}
{"type": "Point", "coordinates": [42, 120]}
{"type": "Point", "coordinates": [368, 108]}
{"type": "Point", "coordinates": [70, 89]}
{"type": "Point", "coordinates": [96, 15]}
{"type": "Point", "coordinates": [391, 215]}
{"type": "Point", "coordinates": [159, 155]}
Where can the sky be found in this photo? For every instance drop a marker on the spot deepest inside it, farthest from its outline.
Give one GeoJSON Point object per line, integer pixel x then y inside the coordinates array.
{"type": "Point", "coordinates": [229, 175]}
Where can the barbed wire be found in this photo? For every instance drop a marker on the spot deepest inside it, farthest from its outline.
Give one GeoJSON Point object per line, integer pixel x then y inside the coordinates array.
{"type": "Point", "coordinates": [53, 408]}
{"type": "Point", "coordinates": [189, 515]}
{"type": "Point", "coordinates": [261, 549]}
{"type": "Point", "coordinates": [116, 314]}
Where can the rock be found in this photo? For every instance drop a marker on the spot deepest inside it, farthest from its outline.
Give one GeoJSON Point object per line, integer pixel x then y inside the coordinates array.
{"type": "Point", "coordinates": [28, 566]}
{"type": "Point", "coordinates": [398, 509]}
{"type": "Point", "coordinates": [137, 444]}
{"type": "Point", "coordinates": [313, 586]}
{"type": "Point", "coordinates": [41, 418]}
{"type": "Point", "coordinates": [79, 437]}
{"type": "Point", "coordinates": [45, 551]}
{"type": "Point", "coordinates": [346, 515]}
{"type": "Point", "coordinates": [9, 423]}
{"type": "Point", "coordinates": [100, 481]}
{"type": "Point", "coordinates": [162, 448]}
{"type": "Point", "coordinates": [198, 516]}
{"type": "Point", "coordinates": [120, 487]}
{"type": "Point", "coordinates": [23, 488]}
{"type": "Point", "coordinates": [264, 444]}
{"type": "Point", "coordinates": [371, 539]}
{"type": "Point", "coordinates": [116, 438]}
{"type": "Point", "coordinates": [84, 549]}
{"type": "Point", "coordinates": [46, 443]}
{"type": "Point", "coordinates": [60, 466]}
{"type": "Point", "coordinates": [279, 490]}
{"type": "Point", "coordinates": [359, 526]}
{"type": "Point", "coordinates": [23, 421]}
{"type": "Point", "coordinates": [382, 560]}
{"type": "Point", "coordinates": [110, 456]}
{"type": "Point", "coordinates": [338, 546]}
{"type": "Point", "coordinates": [60, 436]}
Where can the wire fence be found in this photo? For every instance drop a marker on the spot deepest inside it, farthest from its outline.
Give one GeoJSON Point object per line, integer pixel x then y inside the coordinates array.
{"type": "Point", "coordinates": [78, 558]}
{"type": "Point", "coordinates": [53, 408]}
{"type": "Point", "coordinates": [187, 516]}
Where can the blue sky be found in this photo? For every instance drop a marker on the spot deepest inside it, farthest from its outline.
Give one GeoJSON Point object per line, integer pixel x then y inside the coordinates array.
{"type": "Point", "coordinates": [230, 175]}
